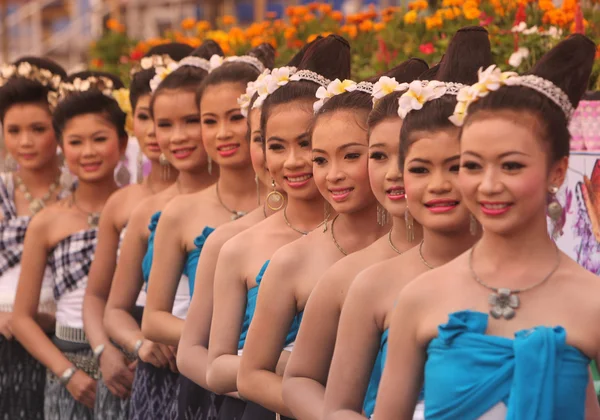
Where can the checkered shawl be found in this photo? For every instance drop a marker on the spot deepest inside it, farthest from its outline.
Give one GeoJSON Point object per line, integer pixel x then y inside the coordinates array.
{"type": "Point", "coordinates": [71, 259]}
{"type": "Point", "coordinates": [12, 227]}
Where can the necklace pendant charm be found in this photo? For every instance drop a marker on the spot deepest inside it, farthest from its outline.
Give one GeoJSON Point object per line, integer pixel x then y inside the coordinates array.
{"type": "Point", "coordinates": [93, 219]}
{"type": "Point", "coordinates": [36, 205]}
{"type": "Point", "coordinates": [503, 304]}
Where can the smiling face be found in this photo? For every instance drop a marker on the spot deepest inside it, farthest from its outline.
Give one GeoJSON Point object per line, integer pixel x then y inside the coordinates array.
{"type": "Point", "coordinates": [340, 155]}
{"type": "Point", "coordinates": [431, 181]}
{"type": "Point", "coordinates": [288, 153]}
{"type": "Point", "coordinates": [178, 130]}
{"type": "Point", "coordinates": [257, 153]}
{"type": "Point", "coordinates": [91, 147]}
{"type": "Point", "coordinates": [29, 136]}
{"type": "Point", "coordinates": [384, 172]}
{"type": "Point", "coordinates": [505, 176]}
{"type": "Point", "coordinates": [224, 128]}
{"type": "Point", "coordinates": [143, 129]}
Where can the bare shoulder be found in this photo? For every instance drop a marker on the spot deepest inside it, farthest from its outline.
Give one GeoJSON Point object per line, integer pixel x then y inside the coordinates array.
{"type": "Point", "coordinates": [129, 196]}
{"type": "Point", "coordinates": [224, 234]}
{"type": "Point", "coordinates": [290, 256]}
{"type": "Point", "coordinates": [152, 204]}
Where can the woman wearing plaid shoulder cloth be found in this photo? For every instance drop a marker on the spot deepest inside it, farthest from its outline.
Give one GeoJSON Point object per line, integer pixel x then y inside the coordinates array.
{"type": "Point", "coordinates": [30, 151]}
{"type": "Point", "coordinates": [90, 128]}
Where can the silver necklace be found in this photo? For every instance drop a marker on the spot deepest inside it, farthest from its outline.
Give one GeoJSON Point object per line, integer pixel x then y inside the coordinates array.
{"type": "Point", "coordinates": [234, 213]}
{"type": "Point", "coordinates": [36, 204]}
{"type": "Point", "coordinates": [504, 301]}
{"type": "Point", "coordinates": [93, 218]}
{"type": "Point", "coordinates": [396, 250]}
{"type": "Point", "coordinates": [303, 232]}
{"type": "Point", "coordinates": [423, 260]}
{"type": "Point", "coordinates": [342, 250]}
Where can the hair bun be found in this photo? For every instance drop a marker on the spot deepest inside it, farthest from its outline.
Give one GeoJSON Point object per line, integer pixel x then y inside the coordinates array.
{"type": "Point", "coordinates": [330, 57]}
{"type": "Point", "coordinates": [176, 50]}
{"type": "Point", "coordinates": [208, 48]}
{"type": "Point", "coordinates": [568, 65]}
{"type": "Point", "coordinates": [297, 59]}
{"type": "Point", "coordinates": [265, 53]}
{"type": "Point", "coordinates": [117, 82]}
{"type": "Point", "coordinates": [469, 50]}
{"type": "Point", "coordinates": [405, 72]}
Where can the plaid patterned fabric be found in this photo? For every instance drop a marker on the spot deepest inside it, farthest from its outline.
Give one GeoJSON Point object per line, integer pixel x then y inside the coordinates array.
{"type": "Point", "coordinates": [71, 260]}
{"type": "Point", "coordinates": [12, 227]}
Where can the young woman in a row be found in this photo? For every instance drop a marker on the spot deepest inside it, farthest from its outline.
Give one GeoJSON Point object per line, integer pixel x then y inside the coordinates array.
{"type": "Point", "coordinates": [512, 336]}
{"type": "Point", "coordinates": [187, 221]}
{"type": "Point", "coordinates": [30, 143]}
{"type": "Point", "coordinates": [177, 129]}
{"type": "Point", "coordinates": [116, 369]}
{"type": "Point", "coordinates": [429, 160]}
{"type": "Point", "coordinates": [90, 127]}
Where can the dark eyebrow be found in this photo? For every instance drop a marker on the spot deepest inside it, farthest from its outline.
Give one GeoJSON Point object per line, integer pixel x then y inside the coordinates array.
{"type": "Point", "coordinates": [347, 145]}
{"type": "Point", "coordinates": [275, 138]}
{"type": "Point", "coordinates": [502, 155]}
{"type": "Point", "coordinates": [420, 160]}
{"type": "Point", "coordinates": [378, 145]}
{"type": "Point", "coordinates": [319, 151]}
{"type": "Point", "coordinates": [232, 110]}
{"type": "Point", "coordinates": [450, 159]}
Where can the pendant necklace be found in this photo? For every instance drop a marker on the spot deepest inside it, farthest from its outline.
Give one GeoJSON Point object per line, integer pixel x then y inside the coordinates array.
{"type": "Point", "coordinates": [234, 213]}
{"type": "Point", "coordinates": [342, 250]}
{"type": "Point", "coordinates": [503, 301]}
{"type": "Point", "coordinates": [36, 204]}
{"type": "Point", "coordinates": [423, 260]}
{"type": "Point", "coordinates": [303, 232]}
{"type": "Point", "coordinates": [396, 250]}
{"type": "Point", "coordinates": [93, 218]}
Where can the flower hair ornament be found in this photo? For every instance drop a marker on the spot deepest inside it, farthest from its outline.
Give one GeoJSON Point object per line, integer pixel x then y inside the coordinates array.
{"type": "Point", "coordinates": [386, 85]}
{"type": "Point", "coordinates": [151, 62]}
{"type": "Point", "coordinates": [420, 92]}
{"type": "Point", "coordinates": [337, 87]}
{"type": "Point", "coordinates": [163, 71]}
{"type": "Point", "coordinates": [246, 98]}
{"type": "Point", "coordinates": [492, 79]}
{"type": "Point", "coordinates": [28, 71]}
{"type": "Point", "coordinates": [217, 61]}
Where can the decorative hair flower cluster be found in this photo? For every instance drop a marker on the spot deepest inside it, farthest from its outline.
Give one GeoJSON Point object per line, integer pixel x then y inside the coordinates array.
{"type": "Point", "coordinates": [28, 71]}
{"type": "Point", "coordinates": [152, 62]}
{"type": "Point", "coordinates": [492, 79]}
{"type": "Point", "coordinates": [337, 87]}
{"type": "Point", "coordinates": [386, 85]}
{"type": "Point", "coordinates": [420, 92]}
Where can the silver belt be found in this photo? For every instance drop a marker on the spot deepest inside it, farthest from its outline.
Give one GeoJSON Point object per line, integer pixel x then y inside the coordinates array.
{"type": "Point", "coordinates": [74, 335]}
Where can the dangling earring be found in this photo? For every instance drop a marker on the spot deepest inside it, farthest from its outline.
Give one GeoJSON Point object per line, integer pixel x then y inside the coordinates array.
{"type": "Point", "coordinates": [326, 215]}
{"type": "Point", "coordinates": [473, 226]}
{"type": "Point", "coordinates": [10, 164]}
{"type": "Point", "coordinates": [382, 216]}
{"type": "Point", "coordinates": [166, 167]}
{"type": "Point", "coordinates": [410, 225]}
{"type": "Point", "coordinates": [66, 178]}
{"type": "Point", "coordinates": [257, 188]}
{"type": "Point", "coordinates": [123, 176]}
{"type": "Point", "coordinates": [209, 166]}
{"type": "Point", "coordinates": [554, 211]}
{"type": "Point", "coordinates": [139, 168]}
{"type": "Point", "coordinates": [275, 200]}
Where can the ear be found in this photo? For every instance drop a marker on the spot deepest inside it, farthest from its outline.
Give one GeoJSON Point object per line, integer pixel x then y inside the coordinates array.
{"type": "Point", "coordinates": [558, 171]}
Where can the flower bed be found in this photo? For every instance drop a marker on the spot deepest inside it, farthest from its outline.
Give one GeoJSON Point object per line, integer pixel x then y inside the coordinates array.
{"type": "Point", "coordinates": [520, 32]}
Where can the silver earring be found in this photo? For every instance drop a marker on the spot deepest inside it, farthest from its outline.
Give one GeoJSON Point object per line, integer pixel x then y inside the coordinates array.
{"type": "Point", "coordinates": [123, 176]}
{"type": "Point", "coordinates": [473, 226]}
{"type": "Point", "coordinates": [410, 225]}
{"type": "Point", "coordinates": [66, 178]}
{"type": "Point", "coordinates": [382, 216]}
{"type": "Point", "coordinates": [139, 168]}
{"type": "Point", "coordinates": [554, 211]}
{"type": "Point", "coordinates": [166, 167]}
{"type": "Point", "coordinates": [10, 164]}
{"type": "Point", "coordinates": [209, 166]}
{"type": "Point", "coordinates": [257, 188]}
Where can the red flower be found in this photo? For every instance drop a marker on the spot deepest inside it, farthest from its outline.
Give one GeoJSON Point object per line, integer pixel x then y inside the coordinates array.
{"type": "Point", "coordinates": [485, 20]}
{"type": "Point", "coordinates": [427, 48]}
{"type": "Point", "coordinates": [136, 55]}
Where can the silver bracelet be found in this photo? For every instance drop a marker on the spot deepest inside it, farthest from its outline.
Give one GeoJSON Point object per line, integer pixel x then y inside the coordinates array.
{"type": "Point", "coordinates": [67, 375]}
{"type": "Point", "coordinates": [98, 352]}
{"type": "Point", "coordinates": [137, 347]}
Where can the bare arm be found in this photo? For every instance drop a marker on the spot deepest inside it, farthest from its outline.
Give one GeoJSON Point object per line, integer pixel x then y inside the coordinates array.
{"type": "Point", "coordinates": [306, 372]}
{"type": "Point", "coordinates": [403, 373]}
{"type": "Point", "coordinates": [192, 354]}
{"type": "Point", "coordinates": [358, 342]}
{"type": "Point", "coordinates": [275, 311]}
{"type": "Point", "coordinates": [158, 323]}
{"type": "Point", "coordinates": [230, 292]}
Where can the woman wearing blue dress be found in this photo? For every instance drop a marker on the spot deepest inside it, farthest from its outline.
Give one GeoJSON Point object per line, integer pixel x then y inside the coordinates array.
{"type": "Point", "coordinates": [177, 126]}
{"type": "Point", "coordinates": [507, 329]}
{"type": "Point", "coordinates": [428, 156]}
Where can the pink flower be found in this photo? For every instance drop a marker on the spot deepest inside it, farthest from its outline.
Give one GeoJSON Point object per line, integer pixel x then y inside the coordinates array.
{"type": "Point", "coordinates": [427, 48]}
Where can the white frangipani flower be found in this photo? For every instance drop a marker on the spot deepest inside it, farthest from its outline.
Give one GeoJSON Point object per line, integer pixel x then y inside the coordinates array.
{"type": "Point", "coordinates": [418, 94]}
{"type": "Point", "coordinates": [215, 61]}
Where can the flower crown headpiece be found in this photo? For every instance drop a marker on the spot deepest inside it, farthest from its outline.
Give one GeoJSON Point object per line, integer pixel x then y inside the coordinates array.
{"type": "Point", "coordinates": [337, 87]}
{"type": "Point", "coordinates": [385, 86]}
{"type": "Point", "coordinates": [419, 92]}
{"type": "Point", "coordinates": [251, 88]}
{"type": "Point", "coordinates": [492, 79]}
{"type": "Point", "coordinates": [28, 71]}
{"type": "Point", "coordinates": [163, 71]}
{"type": "Point", "coordinates": [151, 62]}
{"type": "Point", "coordinates": [217, 61]}
{"type": "Point", "coordinates": [101, 84]}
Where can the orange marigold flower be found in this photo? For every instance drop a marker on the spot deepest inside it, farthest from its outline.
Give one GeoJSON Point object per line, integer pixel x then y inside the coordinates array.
{"type": "Point", "coordinates": [290, 33]}
{"type": "Point", "coordinates": [311, 38]}
{"type": "Point", "coordinates": [366, 25]}
{"type": "Point", "coordinates": [188, 23]}
{"type": "Point", "coordinates": [301, 10]}
{"type": "Point", "coordinates": [193, 42]}
{"type": "Point", "coordinates": [203, 26]}
{"type": "Point", "coordinates": [418, 5]}
{"type": "Point", "coordinates": [472, 13]}
{"type": "Point", "coordinates": [325, 8]}
{"type": "Point", "coordinates": [350, 30]}
{"type": "Point", "coordinates": [115, 26]}
{"type": "Point", "coordinates": [229, 20]}
{"type": "Point", "coordinates": [337, 15]}
{"type": "Point", "coordinates": [410, 17]}
{"type": "Point", "coordinates": [379, 26]}
{"type": "Point", "coordinates": [309, 17]}
{"type": "Point", "coordinates": [313, 6]}
{"type": "Point", "coordinates": [433, 22]}
{"type": "Point", "coordinates": [271, 15]}
{"type": "Point", "coordinates": [295, 21]}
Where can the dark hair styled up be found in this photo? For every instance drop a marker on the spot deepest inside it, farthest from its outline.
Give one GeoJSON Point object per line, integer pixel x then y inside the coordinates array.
{"type": "Point", "coordinates": [469, 50]}
{"type": "Point", "coordinates": [328, 57]}
{"type": "Point", "coordinates": [91, 101]}
{"type": "Point", "coordinates": [21, 90]}
{"type": "Point", "coordinates": [238, 71]}
{"type": "Point", "coordinates": [568, 65]}
{"type": "Point", "coordinates": [140, 81]}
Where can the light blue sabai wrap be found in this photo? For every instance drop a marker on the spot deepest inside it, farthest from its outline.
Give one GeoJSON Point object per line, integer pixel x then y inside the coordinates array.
{"type": "Point", "coordinates": [251, 308]}
{"type": "Point", "coordinates": [536, 375]}
{"type": "Point", "coordinates": [147, 261]}
{"type": "Point", "coordinates": [191, 262]}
